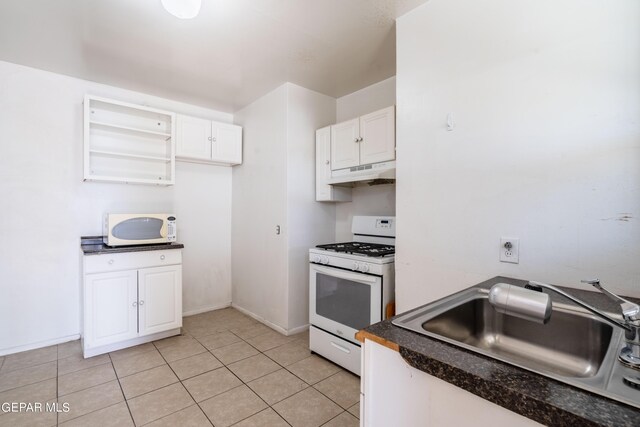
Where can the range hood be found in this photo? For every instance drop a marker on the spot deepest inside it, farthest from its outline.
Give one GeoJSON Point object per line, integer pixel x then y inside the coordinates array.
{"type": "Point", "coordinates": [382, 172]}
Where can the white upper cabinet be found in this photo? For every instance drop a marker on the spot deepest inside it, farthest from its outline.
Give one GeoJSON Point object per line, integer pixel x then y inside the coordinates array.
{"type": "Point", "coordinates": [205, 141]}
{"type": "Point", "coordinates": [324, 191]}
{"type": "Point", "coordinates": [378, 136]}
{"type": "Point", "coordinates": [128, 143]}
{"type": "Point", "coordinates": [227, 143]}
{"type": "Point", "coordinates": [368, 139]}
{"type": "Point", "coordinates": [345, 148]}
{"type": "Point", "coordinates": [193, 136]}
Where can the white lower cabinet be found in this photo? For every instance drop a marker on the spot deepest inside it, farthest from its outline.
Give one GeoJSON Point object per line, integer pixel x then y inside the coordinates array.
{"type": "Point", "coordinates": [132, 306]}
{"type": "Point", "coordinates": [160, 299]}
{"type": "Point", "coordinates": [112, 299]}
{"type": "Point", "coordinates": [393, 393]}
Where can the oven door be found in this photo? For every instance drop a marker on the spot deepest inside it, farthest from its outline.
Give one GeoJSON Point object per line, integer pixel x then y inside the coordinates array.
{"type": "Point", "coordinates": [343, 302]}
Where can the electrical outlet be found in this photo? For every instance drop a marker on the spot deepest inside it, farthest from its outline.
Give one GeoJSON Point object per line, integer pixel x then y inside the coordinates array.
{"type": "Point", "coordinates": [510, 250]}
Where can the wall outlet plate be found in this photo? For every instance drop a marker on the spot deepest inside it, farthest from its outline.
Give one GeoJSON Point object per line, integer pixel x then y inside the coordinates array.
{"type": "Point", "coordinates": [510, 250]}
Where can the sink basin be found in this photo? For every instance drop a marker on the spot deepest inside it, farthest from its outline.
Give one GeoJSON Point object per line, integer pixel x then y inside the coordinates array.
{"type": "Point", "coordinates": [572, 343]}
{"type": "Point", "coordinates": [574, 347]}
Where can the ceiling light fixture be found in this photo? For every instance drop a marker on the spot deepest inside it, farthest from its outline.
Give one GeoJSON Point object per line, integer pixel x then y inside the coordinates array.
{"type": "Point", "coordinates": [183, 9]}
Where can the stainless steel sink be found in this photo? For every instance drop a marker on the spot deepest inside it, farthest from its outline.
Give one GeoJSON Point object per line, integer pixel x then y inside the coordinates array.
{"type": "Point", "coordinates": [574, 347]}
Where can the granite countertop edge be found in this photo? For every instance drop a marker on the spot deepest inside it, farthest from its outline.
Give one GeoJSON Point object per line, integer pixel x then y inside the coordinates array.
{"type": "Point", "coordinates": [92, 245]}
{"type": "Point", "coordinates": [531, 395]}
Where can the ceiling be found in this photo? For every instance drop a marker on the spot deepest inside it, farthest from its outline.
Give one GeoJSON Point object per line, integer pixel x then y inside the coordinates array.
{"type": "Point", "coordinates": [231, 54]}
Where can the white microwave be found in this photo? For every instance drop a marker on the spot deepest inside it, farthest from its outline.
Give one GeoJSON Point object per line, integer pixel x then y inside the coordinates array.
{"type": "Point", "coordinates": [138, 229]}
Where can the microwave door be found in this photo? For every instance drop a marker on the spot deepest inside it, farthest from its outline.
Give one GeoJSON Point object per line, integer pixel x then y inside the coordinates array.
{"type": "Point", "coordinates": [139, 230]}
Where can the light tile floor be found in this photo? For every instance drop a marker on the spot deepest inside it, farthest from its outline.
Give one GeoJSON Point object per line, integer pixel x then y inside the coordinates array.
{"type": "Point", "coordinates": [226, 369]}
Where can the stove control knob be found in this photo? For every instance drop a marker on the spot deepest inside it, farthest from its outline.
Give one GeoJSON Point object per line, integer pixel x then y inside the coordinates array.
{"type": "Point", "coordinates": [316, 258]}
{"type": "Point", "coordinates": [325, 260]}
{"type": "Point", "coordinates": [356, 266]}
{"type": "Point", "coordinates": [364, 268]}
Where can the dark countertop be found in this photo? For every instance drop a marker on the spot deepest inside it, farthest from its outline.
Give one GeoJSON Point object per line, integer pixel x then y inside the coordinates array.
{"type": "Point", "coordinates": [534, 396]}
{"type": "Point", "coordinates": [92, 245]}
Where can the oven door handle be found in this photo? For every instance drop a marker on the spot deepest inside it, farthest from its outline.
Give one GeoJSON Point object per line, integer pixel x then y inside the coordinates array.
{"type": "Point", "coordinates": [341, 274]}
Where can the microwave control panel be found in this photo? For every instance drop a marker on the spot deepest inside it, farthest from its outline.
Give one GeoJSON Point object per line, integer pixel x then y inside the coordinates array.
{"type": "Point", "coordinates": [171, 229]}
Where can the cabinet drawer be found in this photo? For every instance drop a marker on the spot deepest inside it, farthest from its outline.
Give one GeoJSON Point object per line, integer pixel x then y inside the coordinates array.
{"type": "Point", "coordinates": [338, 350]}
{"type": "Point", "coordinates": [131, 260]}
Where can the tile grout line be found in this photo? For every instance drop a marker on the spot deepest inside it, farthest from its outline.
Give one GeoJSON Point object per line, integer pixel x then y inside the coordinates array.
{"type": "Point", "coordinates": [256, 394]}
{"type": "Point", "coordinates": [242, 383]}
{"type": "Point", "coordinates": [183, 386]}
{"type": "Point", "coordinates": [285, 368]}
{"type": "Point", "coordinates": [279, 366]}
{"type": "Point", "coordinates": [324, 424]}
{"type": "Point", "coordinates": [126, 402]}
{"type": "Point", "coordinates": [91, 386]}
{"type": "Point", "coordinates": [260, 352]}
{"type": "Point", "coordinates": [57, 382]}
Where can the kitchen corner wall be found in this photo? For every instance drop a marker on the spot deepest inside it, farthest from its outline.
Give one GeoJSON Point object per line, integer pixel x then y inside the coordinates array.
{"type": "Point", "coordinates": [366, 200]}
{"type": "Point", "coordinates": [545, 98]}
{"type": "Point", "coordinates": [47, 207]}
{"type": "Point", "coordinates": [274, 189]}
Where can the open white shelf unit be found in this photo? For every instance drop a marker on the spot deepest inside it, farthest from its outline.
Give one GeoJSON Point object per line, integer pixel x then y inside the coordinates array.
{"type": "Point", "coordinates": [128, 143]}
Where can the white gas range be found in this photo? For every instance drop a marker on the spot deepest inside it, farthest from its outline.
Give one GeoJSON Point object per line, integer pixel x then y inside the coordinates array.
{"type": "Point", "coordinates": [350, 286]}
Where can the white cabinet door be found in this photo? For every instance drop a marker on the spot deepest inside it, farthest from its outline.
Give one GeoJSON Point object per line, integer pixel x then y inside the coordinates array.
{"type": "Point", "coordinates": [227, 143]}
{"type": "Point", "coordinates": [323, 164]}
{"type": "Point", "coordinates": [111, 308]}
{"type": "Point", "coordinates": [193, 138]}
{"type": "Point", "coordinates": [324, 191]}
{"type": "Point", "coordinates": [345, 145]}
{"type": "Point", "coordinates": [378, 133]}
{"type": "Point", "coordinates": [160, 301]}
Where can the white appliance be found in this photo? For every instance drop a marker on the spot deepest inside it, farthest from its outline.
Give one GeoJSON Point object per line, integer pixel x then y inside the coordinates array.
{"type": "Point", "coordinates": [350, 285]}
{"type": "Point", "coordinates": [138, 229]}
{"type": "Point", "coordinates": [375, 171]}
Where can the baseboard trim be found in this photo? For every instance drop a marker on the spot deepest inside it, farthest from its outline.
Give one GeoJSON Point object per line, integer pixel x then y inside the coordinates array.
{"type": "Point", "coordinates": [94, 351]}
{"type": "Point", "coordinates": [205, 309]}
{"type": "Point", "coordinates": [273, 326]}
{"type": "Point", "coordinates": [39, 344]}
{"type": "Point", "coordinates": [299, 329]}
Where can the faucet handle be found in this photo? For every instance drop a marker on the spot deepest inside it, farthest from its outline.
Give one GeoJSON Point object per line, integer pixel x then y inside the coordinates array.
{"type": "Point", "coordinates": [630, 310]}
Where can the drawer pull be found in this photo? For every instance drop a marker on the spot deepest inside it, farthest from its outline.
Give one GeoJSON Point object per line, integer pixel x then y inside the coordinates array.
{"type": "Point", "coordinates": [341, 348]}
{"type": "Point", "coordinates": [162, 257]}
{"type": "Point", "coordinates": [111, 261]}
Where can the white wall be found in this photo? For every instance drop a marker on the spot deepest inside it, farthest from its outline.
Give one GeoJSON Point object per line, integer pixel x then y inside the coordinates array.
{"type": "Point", "coordinates": [259, 261]}
{"type": "Point", "coordinates": [310, 223]}
{"type": "Point", "coordinates": [275, 185]}
{"type": "Point", "coordinates": [47, 207]}
{"type": "Point", "coordinates": [366, 200]}
{"type": "Point", "coordinates": [546, 100]}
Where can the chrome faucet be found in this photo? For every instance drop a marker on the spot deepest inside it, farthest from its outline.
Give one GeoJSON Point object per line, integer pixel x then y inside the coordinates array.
{"type": "Point", "coordinates": [519, 305]}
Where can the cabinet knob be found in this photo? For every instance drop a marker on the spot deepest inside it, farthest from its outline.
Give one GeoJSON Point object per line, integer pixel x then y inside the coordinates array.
{"type": "Point", "coordinates": [209, 138]}
{"type": "Point", "coordinates": [111, 261]}
{"type": "Point", "coordinates": [360, 139]}
{"type": "Point", "coordinates": [326, 162]}
{"type": "Point", "coordinates": [134, 304]}
{"type": "Point", "coordinates": [356, 140]}
{"type": "Point", "coordinates": [141, 302]}
{"type": "Point", "coordinates": [162, 257]}
{"type": "Point", "coordinates": [214, 139]}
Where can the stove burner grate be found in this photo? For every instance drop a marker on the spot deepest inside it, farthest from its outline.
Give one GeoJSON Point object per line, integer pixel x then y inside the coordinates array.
{"type": "Point", "coordinates": [360, 248]}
